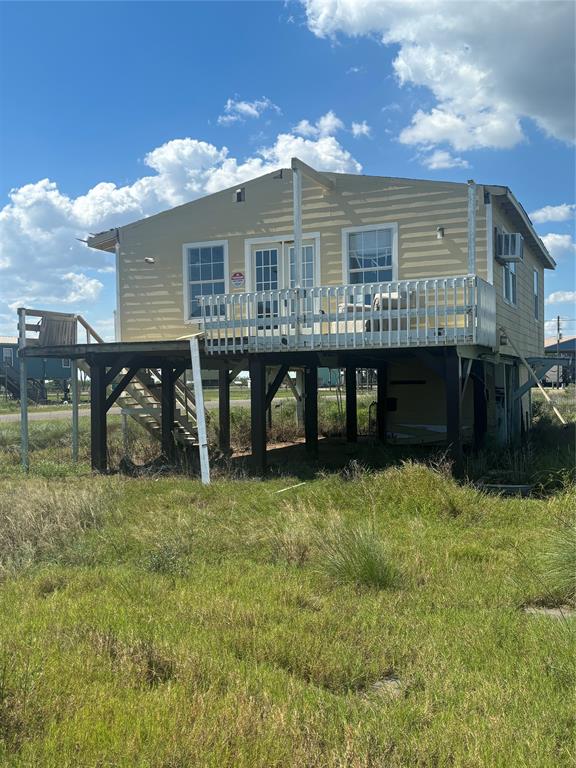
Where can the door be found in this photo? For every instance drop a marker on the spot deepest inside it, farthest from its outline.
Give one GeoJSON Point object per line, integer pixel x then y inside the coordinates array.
{"type": "Point", "coordinates": [273, 269]}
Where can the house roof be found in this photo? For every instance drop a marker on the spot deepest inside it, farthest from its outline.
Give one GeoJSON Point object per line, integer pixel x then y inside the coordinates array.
{"type": "Point", "coordinates": [567, 344]}
{"type": "Point", "coordinates": [107, 241]}
{"type": "Point", "coordinates": [8, 339]}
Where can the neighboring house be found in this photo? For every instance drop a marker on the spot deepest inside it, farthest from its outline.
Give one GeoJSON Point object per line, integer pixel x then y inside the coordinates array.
{"type": "Point", "coordinates": [357, 230]}
{"type": "Point", "coordinates": [39, 370]}
{"type": "Point", "coordinates": [437, 285]}
{"type": "Point", "coordinates": [565, 373]}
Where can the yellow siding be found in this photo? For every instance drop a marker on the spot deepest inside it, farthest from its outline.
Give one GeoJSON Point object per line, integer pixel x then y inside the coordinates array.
{"type": "Point", "coordinates": [151, 303]}
{"type": "Point", "coordinates": [526, 332]}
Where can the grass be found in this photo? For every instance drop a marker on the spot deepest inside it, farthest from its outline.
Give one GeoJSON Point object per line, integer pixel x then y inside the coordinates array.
{"type": "Point", "coordinates": [366, 617]}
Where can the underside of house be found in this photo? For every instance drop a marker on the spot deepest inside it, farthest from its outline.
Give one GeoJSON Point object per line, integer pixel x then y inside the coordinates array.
{"type": "Point", "coordinates": [437, 287]}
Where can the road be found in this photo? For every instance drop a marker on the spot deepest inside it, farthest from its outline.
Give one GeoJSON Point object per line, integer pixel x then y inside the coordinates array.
{"type": "Point", "coordinates": [66, 413]}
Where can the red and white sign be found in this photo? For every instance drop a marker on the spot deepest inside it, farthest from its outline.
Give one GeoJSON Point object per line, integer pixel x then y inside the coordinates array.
{"type": "Point", "coordinates": [237, 279]}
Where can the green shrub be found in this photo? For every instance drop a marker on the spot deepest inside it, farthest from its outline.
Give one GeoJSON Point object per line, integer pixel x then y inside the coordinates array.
{"type": "Point", "coordinates": [559, 561]}
{"type": "Point", "coordinates": [355, 555]}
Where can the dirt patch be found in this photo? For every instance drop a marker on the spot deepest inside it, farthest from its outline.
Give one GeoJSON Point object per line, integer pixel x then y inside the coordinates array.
{"type": "Point", "coordinates": [558, 612]}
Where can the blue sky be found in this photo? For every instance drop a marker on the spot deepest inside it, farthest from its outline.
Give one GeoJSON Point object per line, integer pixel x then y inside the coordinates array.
{"type": "Point", "coordinates": [122, 107]}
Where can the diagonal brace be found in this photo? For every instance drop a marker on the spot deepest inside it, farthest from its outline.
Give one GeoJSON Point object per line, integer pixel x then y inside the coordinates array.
{"type": "Point", "coordinates": [120, 387]}
{"type": "Point", "coordinates": [275, 385]}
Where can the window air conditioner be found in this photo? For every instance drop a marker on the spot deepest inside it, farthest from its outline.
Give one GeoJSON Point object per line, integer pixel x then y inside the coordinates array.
{"type": "Point", "coordinates": [509, 247]}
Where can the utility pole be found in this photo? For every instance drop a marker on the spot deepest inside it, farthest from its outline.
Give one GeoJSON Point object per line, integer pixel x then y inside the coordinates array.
{"type": "Point", "coordinates": [558, 337]}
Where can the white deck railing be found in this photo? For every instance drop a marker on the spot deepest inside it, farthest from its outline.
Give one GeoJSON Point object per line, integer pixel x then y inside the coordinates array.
{"type": "Point", "coordinates": [406, 313]}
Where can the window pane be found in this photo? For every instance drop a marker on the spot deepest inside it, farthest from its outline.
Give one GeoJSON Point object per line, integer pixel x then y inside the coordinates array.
{"type": "Point", "coordinates": [371, 253]}
{"type": "Point", "coordinates": [194, 273]}
{"type": "Point", "coordinates": [205, 271]}
{"type": "Point", "coordinates": [218, 271]}
{"type": "Point", "coordinates": [205, 255]}
{"type": "Point", "coordinates": [194, 255]}
{"type": "Point", "coordinates": [354, 242]}
{"type": "Point", "coordinates": [218, 253]}
{"type": "Point", "coordinates": [384, 238]}
{"type": "Point", "coordinates": [258, 258]}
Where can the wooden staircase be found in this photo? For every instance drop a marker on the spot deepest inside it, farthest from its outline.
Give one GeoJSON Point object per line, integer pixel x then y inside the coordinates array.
{"type": "Point", "coordinates": [141, 399]}
{"type": "Point", "coordinates": [10, 379]}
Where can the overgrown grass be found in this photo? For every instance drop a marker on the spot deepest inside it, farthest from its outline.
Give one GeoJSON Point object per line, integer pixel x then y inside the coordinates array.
{"type": "Point", "coordinates": [158, 622]}
{"type": "Point", "coordinates": [356, 555]}
{"type": "Point", "coordinates": [558, 560]}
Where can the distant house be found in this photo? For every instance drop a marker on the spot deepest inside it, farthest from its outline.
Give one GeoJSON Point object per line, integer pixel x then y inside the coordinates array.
{"type": "Point", "coordinates": [563, 374]}
{"type": "Point", "coordinates": [39, 370]}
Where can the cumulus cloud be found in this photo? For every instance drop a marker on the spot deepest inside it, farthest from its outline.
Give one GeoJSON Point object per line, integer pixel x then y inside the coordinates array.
{"type": "Point", "coordinates": [561, 297]}
{"type": "Point", "coordinates": [440, 158]}
{"type": "Point", "coordinates": [237, 111]}
{"type": "Point", "coordinates": [563, 212]}
{"type": "Point", "coordinates": [327, 125]}
{"type": "Point", "coordinates": [361, 129]}
{"type": "Point", "coordinates": [488, 65]}
{"type": "Point", "coordinates": [43, 262]}
{"type": "Point", "coordinates": [559, 245]}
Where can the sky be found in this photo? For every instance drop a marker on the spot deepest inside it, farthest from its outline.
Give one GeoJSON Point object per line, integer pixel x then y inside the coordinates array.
{"type": "Point", "coordinates": [112, 111]}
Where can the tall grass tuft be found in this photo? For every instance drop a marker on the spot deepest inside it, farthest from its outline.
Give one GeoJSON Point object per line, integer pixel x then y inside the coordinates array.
{"type": "Point", "coordinates": [39, 520]}
{"type": "Point", "coordinates": [356, 555]}
{"type": "Point", "coordinates": [559, 561]}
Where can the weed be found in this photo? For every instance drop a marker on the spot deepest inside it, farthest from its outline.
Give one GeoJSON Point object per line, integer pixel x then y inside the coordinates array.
{"type": "Point", "coordinates": [356, 555]}
{"type": "Point", "coordinates": [558, 560]}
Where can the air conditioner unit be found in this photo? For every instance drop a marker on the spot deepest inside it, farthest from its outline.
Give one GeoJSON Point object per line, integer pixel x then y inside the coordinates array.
{"type": "Point", "coordinates": [509, 247]}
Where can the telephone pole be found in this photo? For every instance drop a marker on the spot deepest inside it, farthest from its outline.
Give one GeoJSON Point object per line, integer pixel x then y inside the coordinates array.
{"type": "Point", "coordinates": [558, 337]}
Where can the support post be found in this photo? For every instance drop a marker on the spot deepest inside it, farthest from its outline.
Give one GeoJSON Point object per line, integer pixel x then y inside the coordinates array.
{"type": "Point", "coordinates": [24, 457]}
{"type": "Point", "coordinates": [168, 412]}
{"type": "Point", "coordinates": [471, 227]}
{"type": "Point", "coordinates": [351, 405]}
{"type": "Point", "coordinates": [98, 441]}
{"type": "Point", "coordinates": [480, 405]}
{"type": "Point", "coordinates": [311, 408]}
{"type": "Point", "coordinates": [299, 386]}
{"type": "Point", "coordinates": [224, 411]}
{"type": "Point", "coordinates": [75, 405]}
{"type": "Point", "coordinates": [200, 412]}
{"type": "Point", "coordinates": [258, 413]}
{"type": "Point", "coordinates": [452, 382]}
{"type": "Point", "coordinates": [381, 399]}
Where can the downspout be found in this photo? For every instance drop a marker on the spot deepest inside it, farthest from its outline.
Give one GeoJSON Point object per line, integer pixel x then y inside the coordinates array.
{"type": "Point", "coordinates": [471, 227]}
{"type": "Point", "coordinates": [117, 314]}
{"type": "Point", "coordinates": [297, 205]}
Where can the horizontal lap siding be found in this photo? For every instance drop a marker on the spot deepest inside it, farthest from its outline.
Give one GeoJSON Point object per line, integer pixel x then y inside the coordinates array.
{"type": "Point", "coordinates": [526, 332]}
{"type": "Point", "coordinates": [151, 295]}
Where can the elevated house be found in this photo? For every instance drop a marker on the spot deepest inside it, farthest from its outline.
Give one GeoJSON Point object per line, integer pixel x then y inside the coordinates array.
{"type": "Point", "coordinates": [438, 286]}
{"type": "Point", "coordinates": [39, 371]}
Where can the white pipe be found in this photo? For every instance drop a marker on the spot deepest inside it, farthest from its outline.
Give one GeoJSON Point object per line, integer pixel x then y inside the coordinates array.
{"type": "Point", "coordinates": [297, 204]}
{"type": "Point", "coordinates": [471, 227]}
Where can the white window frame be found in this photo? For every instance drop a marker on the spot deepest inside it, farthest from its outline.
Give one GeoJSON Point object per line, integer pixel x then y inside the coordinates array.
{"type": "Point", "coordinates": [186, 282]}
{"type": "Point", "coordinates": [369, 228]}
{"type": "Point", "coordinates": [283, 270]}
{"type": "Point", "coordinates": [8, 358]}
{"type": "Point", "coordinates": [536, 294]}
{"type": "Point", "coordinates": [66, 362]}
{"type": "Point", "coordinates": [508, 267]}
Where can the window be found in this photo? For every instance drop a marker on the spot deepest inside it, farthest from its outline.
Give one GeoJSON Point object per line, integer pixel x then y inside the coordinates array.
{"type": "Point", "coordinates": [8, 355]}
{"type": "Point", "coordinates": [536, 295]}
{"type": "Point", "coordinates": [266, 261]}
{"type": "Point", "coordinates": [205, 265]}
{"type": "Point", "coordinates": [307, 266]}
{"type": "Point", "coordinates": [369, 254]}
{"type": "Point", "coordinates": [65, 363]}
{"type": "Point", "coordinates": [509, 274]}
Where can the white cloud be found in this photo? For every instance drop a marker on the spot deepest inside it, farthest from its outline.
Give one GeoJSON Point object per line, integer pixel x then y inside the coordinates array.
{"type": "Point", "coordinates": [488, 65]}
{"type": "Point", "coordinates": [81, 288]}
{"type": "Point", "coordinates": [440, 158]}
{"type": "Point", "coordinates": [327, 125]}
{"type": "Point", "coordinates": [361, 129]}
{"type": "Point", "coordinates": [561, 297]}
{"type": "Point", "coordinates": [563, 212]}
{"type": "Point", "coordinates": [559, 245]}
{"type": "Point", "coordinates": [42, 261]}
{"type": "Point", "coordinates": [237, 111]}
